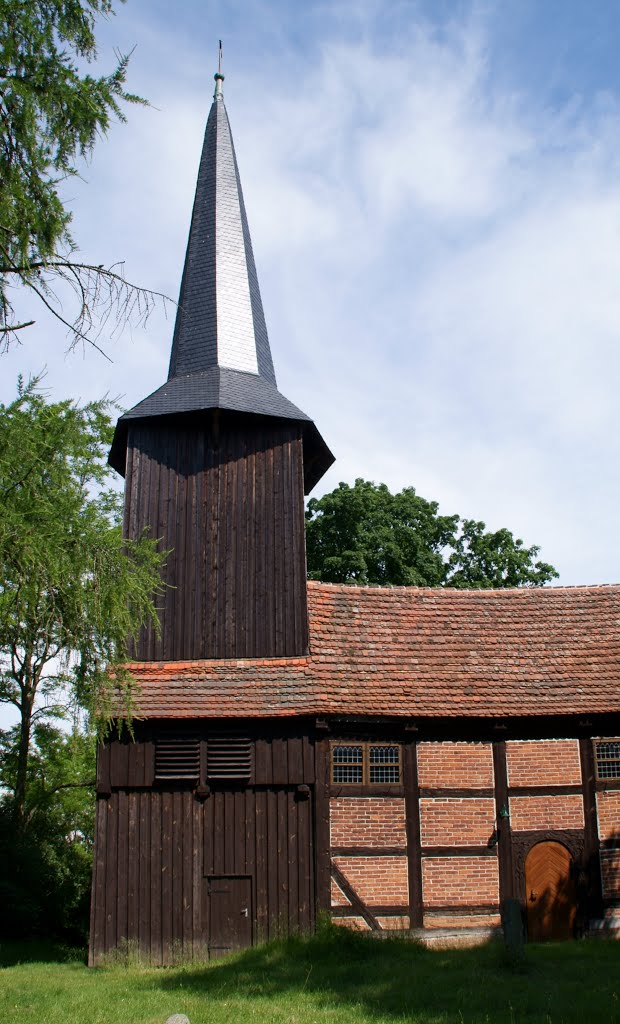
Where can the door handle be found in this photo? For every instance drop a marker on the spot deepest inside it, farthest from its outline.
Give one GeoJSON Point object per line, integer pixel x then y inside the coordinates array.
{"type": "Point", "coordinates": [244, 912]}
{"type": "Point", "coordinates": [533, 896]}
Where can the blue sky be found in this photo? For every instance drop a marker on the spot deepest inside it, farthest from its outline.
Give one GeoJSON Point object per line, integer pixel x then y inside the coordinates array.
{"type": "Point", "coordinates": [433, 191]}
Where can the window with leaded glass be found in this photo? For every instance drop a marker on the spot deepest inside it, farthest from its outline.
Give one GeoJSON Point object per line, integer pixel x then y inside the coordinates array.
{"type": "Point", "coordinates": [607, 759]}
{"type": "Point", "coordinates": [347, 764]}
{"type": "Point", "coordinates": [366, 764]}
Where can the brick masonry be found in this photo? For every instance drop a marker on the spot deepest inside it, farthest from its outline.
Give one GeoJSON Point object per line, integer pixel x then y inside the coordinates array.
{"type": "Point", "coordinates": [368, 821]}
{"type": "Point", "coordinates": [530, 813]}
{"type": "Point", "coordinates": [338, 897]}
{"type": "Point", "coordinates": [459, 881]}
{"type": "Point", "coordinates": [608, 808]}
{"type": "Point", "coordinates": [462, 921]}
{"type": "Point", "coordinates": [455, 765]}
{"type": "Point", "coordinates": [379, 880]}
{"type": "Point", "coordinates": [456, 822]}
{"type": "Point", "coordinates": [543, 763]}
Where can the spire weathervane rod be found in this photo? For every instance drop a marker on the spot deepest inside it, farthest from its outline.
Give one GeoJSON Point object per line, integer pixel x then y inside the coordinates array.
{"type": "Point", "coordinates": [219, 77]}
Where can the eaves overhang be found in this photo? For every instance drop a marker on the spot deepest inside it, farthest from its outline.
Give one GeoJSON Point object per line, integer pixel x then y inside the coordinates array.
{"type": "Point", "coordinates": [230, 390]}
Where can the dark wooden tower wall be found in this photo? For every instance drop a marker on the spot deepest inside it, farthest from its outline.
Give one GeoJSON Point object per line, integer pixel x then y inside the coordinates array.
{"type": "Point", "coordinates": [223, 492]}
{"type": "Point", "coordinates": [176, 867]}
{"type": "Point", "coordinates": [216, 461]}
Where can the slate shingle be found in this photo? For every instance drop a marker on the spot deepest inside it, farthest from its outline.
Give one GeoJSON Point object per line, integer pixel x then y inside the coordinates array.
{"type": "Point", "coordinates": [221, 357]}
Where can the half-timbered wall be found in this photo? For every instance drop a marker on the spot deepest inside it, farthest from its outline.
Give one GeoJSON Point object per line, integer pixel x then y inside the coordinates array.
{"type": "Point", "coordinates": [440, 849]}
{"type": "Point", "coordinates": [448, 846]}
{"type": "Point", "coordinates": [368, 836]}
{"type": "Point", "coordinates": [460, 874]}
{"type": "Point", "coordinates": [224, 495]}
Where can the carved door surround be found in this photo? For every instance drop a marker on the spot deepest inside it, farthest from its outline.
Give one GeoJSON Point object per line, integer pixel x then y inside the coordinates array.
{"type": "Point", "coordinates": [574, 841]}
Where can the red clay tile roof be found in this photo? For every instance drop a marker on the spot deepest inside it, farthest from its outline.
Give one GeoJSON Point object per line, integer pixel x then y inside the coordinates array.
{"type": "Point", "coordinates": [416, 652]}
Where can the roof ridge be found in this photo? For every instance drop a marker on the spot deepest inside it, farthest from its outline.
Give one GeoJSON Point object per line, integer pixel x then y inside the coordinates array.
{"type": "Point", "coordinates": [491, 591]}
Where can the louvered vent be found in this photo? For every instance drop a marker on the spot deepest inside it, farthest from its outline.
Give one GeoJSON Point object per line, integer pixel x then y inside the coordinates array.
{"type": "Point", "coordinates": [177, 758]}
{"type": "Point", "coordinates": [229, 758]}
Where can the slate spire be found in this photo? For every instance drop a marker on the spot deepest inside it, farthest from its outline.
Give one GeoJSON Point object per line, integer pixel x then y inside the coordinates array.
{"type": "Point", "coordinates": [221, 358]}
{"type": "Point", "coordinates": [220, 321]}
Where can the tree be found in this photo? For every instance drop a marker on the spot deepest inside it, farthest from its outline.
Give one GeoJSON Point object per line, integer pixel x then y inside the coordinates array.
{"type": "Point", "coordinates": [72, 591]}
{"type": "Point", "coordinates": [47, 862]}
{"type": "Point", "coordinates": [51, 114]}
{"type": "Point", "coordinates": [367, 535]}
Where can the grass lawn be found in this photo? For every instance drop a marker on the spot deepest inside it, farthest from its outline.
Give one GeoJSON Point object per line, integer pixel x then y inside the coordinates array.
{"type": "Point", "coordinates": [336, 977]}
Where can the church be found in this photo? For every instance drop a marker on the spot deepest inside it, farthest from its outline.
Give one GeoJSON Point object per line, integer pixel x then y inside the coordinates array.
{"type": "Point", "coordinates": [402, 759]}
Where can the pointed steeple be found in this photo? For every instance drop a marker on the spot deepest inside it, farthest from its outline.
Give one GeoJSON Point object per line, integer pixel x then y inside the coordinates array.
{"type": "Point", "coordinates": [220, 321]}
{"type": "Point", "coordinates": [221, 358]}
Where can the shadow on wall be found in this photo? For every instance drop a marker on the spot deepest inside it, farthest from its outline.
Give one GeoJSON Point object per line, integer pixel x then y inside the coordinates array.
{"type": "Point", "coordinates": [610, 876]}
{"type": "Point", "coordinates": [551, 914]}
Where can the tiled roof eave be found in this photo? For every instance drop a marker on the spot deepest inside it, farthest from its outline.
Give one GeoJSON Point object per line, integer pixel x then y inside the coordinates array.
{"type": "Point", "coordinates": [409, 652]}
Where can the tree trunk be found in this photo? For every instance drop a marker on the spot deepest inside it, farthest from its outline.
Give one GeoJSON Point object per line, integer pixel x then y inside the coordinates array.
{"type": "Point", "coordinates": [25, 729]}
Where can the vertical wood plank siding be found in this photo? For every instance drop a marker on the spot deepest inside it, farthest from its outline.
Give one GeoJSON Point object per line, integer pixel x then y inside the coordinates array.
{"type": "Point", "coordinates": [265, 834]}
{"type": "Point", "coordinates": [142, 889]}
{"type": "Point", "coordinates": [323, 852]}
{"type": "Point", "coordinates": [227, 502]}
{"type": "Point", "coordinates": [149, 897]}
{"type": "Point", "coordinates": [157, 846]}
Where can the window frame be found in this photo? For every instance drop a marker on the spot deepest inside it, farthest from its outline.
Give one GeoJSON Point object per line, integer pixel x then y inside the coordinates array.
{"type": "Point", "coordinates": [597, 743]}
{"type": "Point", "coordinates": [365, 780]}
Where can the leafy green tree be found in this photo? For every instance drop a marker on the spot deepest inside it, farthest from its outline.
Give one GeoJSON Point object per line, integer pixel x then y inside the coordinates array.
{"type": "Point", "coordinates": [47, 859]}
{"type": "Point", "coordinates": [367, 535]}
{"type": "Point", "coordinates": [52, 111]}
{"type": "Point", "coordinates": [72, 591]}
{"type": "Point", "coordinates": [483, 559]}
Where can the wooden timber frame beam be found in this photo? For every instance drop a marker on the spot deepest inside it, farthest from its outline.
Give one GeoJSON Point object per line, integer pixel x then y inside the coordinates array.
{"type": "Point", "coordinates": [358, 906]}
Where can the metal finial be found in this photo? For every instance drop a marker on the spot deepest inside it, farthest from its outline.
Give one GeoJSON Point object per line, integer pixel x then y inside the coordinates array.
{"type": "Point", "coordinates": [219, 77]}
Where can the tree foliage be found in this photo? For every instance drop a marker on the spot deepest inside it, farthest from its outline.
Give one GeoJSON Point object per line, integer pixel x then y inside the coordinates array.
{"type": "Point", "coordinates": [72, 591]}
{"type": "Point", "coordinates": [52, 111]}
{"type": "Point", "coordinates": [367, 535]}
{"type": "Point", "coordinates": [47, 859]}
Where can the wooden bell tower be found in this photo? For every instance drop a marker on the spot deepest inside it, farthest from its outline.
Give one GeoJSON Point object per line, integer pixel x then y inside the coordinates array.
{"type": "Point", "coordinates": [217, 460]}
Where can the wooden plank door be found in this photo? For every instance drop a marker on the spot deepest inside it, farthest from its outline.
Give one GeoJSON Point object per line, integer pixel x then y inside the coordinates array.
{"type": "Point", "coordinates": [550, 892]}
{"type": "Point", "coordinates": [229, 913]}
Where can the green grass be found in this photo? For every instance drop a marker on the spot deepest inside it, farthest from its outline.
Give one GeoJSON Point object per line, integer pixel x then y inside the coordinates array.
{"type": "Point", "coordinates": [335, 977]}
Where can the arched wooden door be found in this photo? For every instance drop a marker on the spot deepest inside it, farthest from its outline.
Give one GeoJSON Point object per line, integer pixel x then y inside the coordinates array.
{"type": "Point", "coordinates": [551, 897]}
